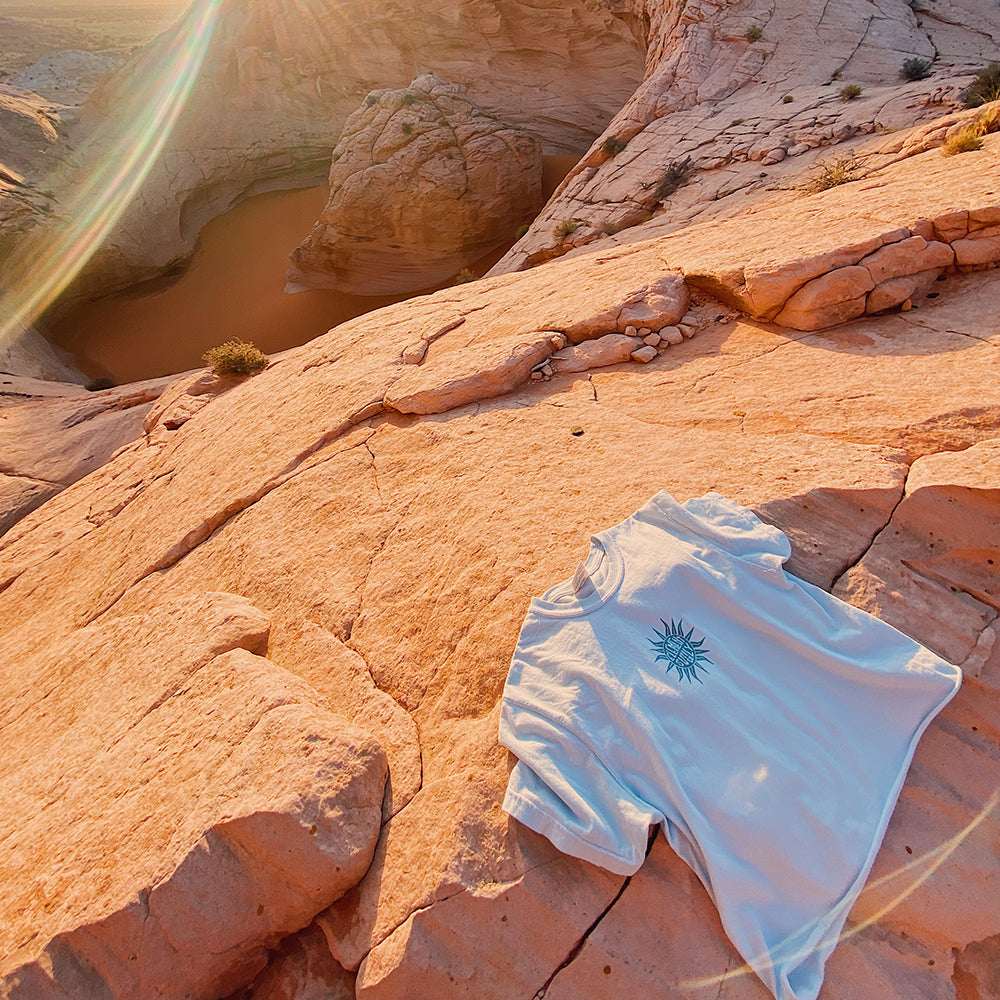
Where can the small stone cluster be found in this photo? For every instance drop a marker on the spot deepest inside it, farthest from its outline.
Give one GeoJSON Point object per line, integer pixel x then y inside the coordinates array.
{"type": "Point", "coordinates": [636, 344]}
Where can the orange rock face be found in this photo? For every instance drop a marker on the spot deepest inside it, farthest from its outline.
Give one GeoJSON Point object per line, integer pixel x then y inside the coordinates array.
{"type": "Point", "coordinates": [276, 556]}
{"type": "Point", "coordinates": [423, 183]}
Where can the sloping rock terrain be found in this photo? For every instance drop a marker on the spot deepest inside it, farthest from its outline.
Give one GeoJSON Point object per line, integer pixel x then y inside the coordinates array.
{"type": "Point", "coordinates": [741, 99]}
{"type": "Point", "coordinates": [423, 183]}
{"type": "Point", "coordinates": [355, 533]}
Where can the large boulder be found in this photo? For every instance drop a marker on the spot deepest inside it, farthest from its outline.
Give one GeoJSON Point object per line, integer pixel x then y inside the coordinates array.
{"type": "Point", "coordinates": [423, 183]}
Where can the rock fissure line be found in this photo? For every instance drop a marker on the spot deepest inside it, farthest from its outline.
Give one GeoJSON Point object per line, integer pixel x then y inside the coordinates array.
{"type": "Point", "coordinates": [578, 947]}
{"type": "Point", "coordinates": [878, 531]}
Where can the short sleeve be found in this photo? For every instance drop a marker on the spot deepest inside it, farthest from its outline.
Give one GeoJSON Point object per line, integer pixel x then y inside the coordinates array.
{"type": "Point", "coordinates": [725, 525]}
{"type": "Point", "coordinates": [560, 789]}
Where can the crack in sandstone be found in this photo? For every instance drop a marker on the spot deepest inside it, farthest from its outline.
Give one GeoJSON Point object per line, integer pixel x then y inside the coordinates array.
{"type": "Point", "coordinates": [878, 531]}
{"type": "Point", "coordinates": [574, 952]}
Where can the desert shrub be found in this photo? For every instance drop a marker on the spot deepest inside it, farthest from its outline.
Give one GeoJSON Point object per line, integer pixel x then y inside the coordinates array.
{"type": "Point", "coordinates": [521, 230]}
{"type": "Point", "coordinates": [915, 69]}
{"type": "Point", "coordinates": [409, 98]}
{"type": "Point", "coordinates": [984, 88]}
{"type": "Point", "coordinates": [613, 145]}
{"type": "Point", "coordinates": [964, 141]}
{"type": "Point", "coordinates": [464, 276]}
{"type": "Point", "coordinates": [787, 99]}
{"type": "Point", "coordinates": [832, 173]}
{"type": "Point", "coordinates": [837, 74]}
{"type": "Point", "coordinates": [407, 128]}
{"type": "Point", "coordinates": [566, 228]}
{"type": "Point", "coordinates": [736, 121]}
{"type": "Point", "coordinates": [235, 357]}
{"type": "Point", "coordinates": [676, 175]}
{"type": "Point", "coordinates": [370, 100]}
{"type": "Point", "coordinates": [754, 33]}
{"type": "Point", "coordinates": [850, 92]}
{"type": "Point", "coordinates": [102, 382]}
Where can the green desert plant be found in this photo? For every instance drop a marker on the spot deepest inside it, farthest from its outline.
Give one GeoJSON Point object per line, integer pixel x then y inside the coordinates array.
{"type": "Point", "coordinates": [984, 88]}
{"type": "Point", "coordinates": [736, 121]}
{"type": "Point", "coordinates": [464, 276]}
{"type": "Point", "coordinates": [674, 176]}
{"type": "Point", "coordinates": [521, 230]}
{"type": "Point", "coordinates": [832, 173]}
{"type": "Point", "coordinates": [754, 33]}
{"type": "Point", "coordinates": [409, 98]}
{"type": "Point", "coordinates": [235, 357]}
{"type": "Point", "coordinates": [564, 229]}
{"type": "Point", "coordinates": [787, 99]}
{"type": "Point", "coordinates": [915, 69]}
{"type": "Point", "coordinates": [612, 145]}
{"type": "Point", "coordinates": [850, 92]}
{"type": "Point", "coordinates": [407, 128]}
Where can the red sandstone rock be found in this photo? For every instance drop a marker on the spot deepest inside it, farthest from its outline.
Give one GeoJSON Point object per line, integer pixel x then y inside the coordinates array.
{"type": "Point", "coordinates": [215, 806]}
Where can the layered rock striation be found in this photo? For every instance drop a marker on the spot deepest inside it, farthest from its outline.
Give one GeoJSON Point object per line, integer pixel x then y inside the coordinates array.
{"type": "Point", "coordinates": [423, 183]}
{"type": "Point", "coordinates": [357, 532]}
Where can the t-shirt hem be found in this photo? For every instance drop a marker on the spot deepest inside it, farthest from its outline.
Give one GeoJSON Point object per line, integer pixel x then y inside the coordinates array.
{"type": "Point", "coordinates": [528, 813]}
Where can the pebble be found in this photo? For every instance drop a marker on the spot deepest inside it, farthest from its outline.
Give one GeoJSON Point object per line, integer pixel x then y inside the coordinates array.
{"type": "Point", "coordinates": [672, 334]}
{"type": "Point", "coordinates": [558, 342]}
{"type": "Point", "coordinates": [686, 331]}
{"type": "Point", "coordinates": [630, 331]}
{"type": "Point", "coordinates": [652, 340]}
{"type": "Point", "coordinates": [906, 306]}
{"type": "Point", "coordinates": [644, 354]}
{"type": "Point", "coordinates": [644, 331]}
{"type": "Point", "coordinates": [414, 354]}
{"type": "Point", "coordinates": [547, 370]}
{"type": "Point", "coordinates": [537, 376]}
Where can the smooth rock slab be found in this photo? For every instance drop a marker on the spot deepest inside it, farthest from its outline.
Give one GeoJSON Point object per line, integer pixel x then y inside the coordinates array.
{"type": "Point", "coordinates": [215, 805]}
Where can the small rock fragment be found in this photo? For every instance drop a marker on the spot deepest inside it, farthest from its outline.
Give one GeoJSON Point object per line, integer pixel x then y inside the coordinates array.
{"type": "Point", "coordinates": [630, 331]}
{"type": "Point", "coordinates": [546, 369]}
{"type": "Point", "coordinates": [537, 376]}
{"type": "Point", "coordinates": [644, 332]}
{"type": "Point", "coordinates": [906, 306]}
{"type": "Point", "coordinates": [686, 331]}
{"type": "Point", "coordinates": [414, 354]}
{"type": "Point", "coordinates": [576, 431]}
{"type": "Point", "coordinates": [652, 340]}
{"type": "Point", "coordinates": [672, 334]}
{"type": "Point", "coordinates": [644, 354]}
{"type": "Point", "coordinates": [558, 342]}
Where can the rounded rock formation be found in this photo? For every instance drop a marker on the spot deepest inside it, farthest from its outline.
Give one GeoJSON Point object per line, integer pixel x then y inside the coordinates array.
{"type": "Point", "coordinates": [423, 183]}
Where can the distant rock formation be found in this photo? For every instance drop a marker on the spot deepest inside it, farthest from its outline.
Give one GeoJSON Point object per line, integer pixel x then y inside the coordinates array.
{"type": "Point", "coordinates": [280, 77]}
{"type": "Point", "coordinates": [423, 183]}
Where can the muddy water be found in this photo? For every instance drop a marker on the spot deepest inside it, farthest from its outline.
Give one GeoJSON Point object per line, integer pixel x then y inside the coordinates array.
{"type": "Point", "coordinates": [234, 288]}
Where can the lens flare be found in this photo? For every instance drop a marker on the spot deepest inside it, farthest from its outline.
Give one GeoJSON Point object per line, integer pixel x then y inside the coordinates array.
{"type": "Point", "coordinates": [48, 259]}
{"type": "Point", "coordinates": [912, 876]}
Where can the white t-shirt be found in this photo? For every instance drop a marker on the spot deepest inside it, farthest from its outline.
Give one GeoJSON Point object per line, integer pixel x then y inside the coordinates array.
{"type": "Point", "coordinates": [682, 678]}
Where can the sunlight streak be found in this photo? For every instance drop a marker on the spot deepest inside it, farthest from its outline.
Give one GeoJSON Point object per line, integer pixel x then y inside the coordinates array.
{"type": "Point", "coordinates": [922, 868]}
{"type": "Point", "coordinates": [48, 260]}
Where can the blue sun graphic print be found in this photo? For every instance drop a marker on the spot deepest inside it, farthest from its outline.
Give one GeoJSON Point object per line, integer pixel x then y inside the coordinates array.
{"type": "Point", "coordinates": [681, 651]}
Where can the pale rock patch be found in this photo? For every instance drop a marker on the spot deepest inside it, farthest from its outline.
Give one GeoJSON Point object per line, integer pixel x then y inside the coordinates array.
{"type": "Point", "coordinates": [423, 182]}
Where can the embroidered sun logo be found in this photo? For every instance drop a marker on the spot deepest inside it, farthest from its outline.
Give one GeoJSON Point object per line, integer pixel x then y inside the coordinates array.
{"type": "Point", "coordinates": [682, 653]}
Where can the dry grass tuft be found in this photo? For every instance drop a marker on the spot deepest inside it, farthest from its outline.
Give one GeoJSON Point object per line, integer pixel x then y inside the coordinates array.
{"type": "Point", "coordinates": [235, 357]}
{"type": "Point", "coordinates": [832, 173]}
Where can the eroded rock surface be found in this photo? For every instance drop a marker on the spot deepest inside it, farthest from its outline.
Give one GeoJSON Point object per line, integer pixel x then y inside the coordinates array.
{"type": "Point", "coordinates": [423, 183]}
{"type": "Point", "coordinates": [215, 805]}
{"type": "Point", "coordinates": [394, 554]}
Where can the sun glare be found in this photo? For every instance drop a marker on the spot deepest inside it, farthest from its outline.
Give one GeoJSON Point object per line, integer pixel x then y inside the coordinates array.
{"type": "Point", "coordinates": [48, 259]}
